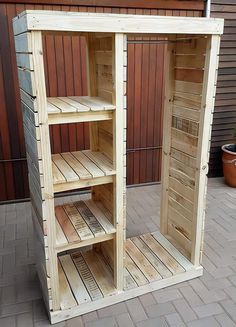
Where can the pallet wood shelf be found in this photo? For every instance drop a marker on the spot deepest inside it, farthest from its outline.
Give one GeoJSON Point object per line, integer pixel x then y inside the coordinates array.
{"type": "Point", "coordinates": [81, 224]}
{"type": "Point", "coordinates": [150, 258]}
{"type": "Point", "coordinates": [101, 266]}
{"type": "Point", "coordinates": [63, 110]}
{"type": "Point", "coordinates": [73, 170]}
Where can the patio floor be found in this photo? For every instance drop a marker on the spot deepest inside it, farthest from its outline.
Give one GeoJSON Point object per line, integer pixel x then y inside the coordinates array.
{"type": "Point", "coordinates": [207, 301]}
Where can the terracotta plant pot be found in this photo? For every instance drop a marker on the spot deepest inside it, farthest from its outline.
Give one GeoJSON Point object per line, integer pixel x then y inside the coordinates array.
{"type": "Point", "coordinates": [229, 164]}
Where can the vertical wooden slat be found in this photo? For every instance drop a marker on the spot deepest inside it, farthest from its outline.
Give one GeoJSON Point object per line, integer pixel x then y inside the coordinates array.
{"type": "Point", "coordinates": [46, 161]}
{"type": "Point", "coordinates": [168, 103]}
{"type": "Point", "coordinates": [207, 107]}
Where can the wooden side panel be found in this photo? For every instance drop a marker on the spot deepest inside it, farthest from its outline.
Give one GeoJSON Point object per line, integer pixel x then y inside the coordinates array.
{"type": "Point", "coordinates": [182, 126]}
{"type": "Point", "coordinates": [36, 131]}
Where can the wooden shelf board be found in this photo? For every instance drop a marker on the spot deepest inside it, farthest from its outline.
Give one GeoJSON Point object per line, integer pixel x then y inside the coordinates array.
{"type": "Point", "coordinates": [78, 169]}
{"type": "Point", "coordinates": [82, 223]}
{"type": "Point", "coordinates": [151, 263]}
{"type": "Point", "coordinates": [78, 109]}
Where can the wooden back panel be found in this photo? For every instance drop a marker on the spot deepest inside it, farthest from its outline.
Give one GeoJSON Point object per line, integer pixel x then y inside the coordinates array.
{"type": "Point", "coordinates": [184, 120]}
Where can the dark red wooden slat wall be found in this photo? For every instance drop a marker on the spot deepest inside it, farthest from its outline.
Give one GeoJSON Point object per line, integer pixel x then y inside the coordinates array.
{"type": "Point", "coordinates": [65, 69]}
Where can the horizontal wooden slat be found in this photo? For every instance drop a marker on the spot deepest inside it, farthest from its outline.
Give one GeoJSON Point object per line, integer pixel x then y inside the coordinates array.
{"type": "Point", "coordinates": [23, 43]}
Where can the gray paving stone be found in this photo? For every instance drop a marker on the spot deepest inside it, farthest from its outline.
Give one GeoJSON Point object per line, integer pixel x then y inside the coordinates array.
{"type": "Point", "coordinates": [124, 320]}
{"type": "Point", "coordinates": [205, 322]}
{"type": "Point", "coordinates": [167, 295]}
{"type": "Point", "coordinates": [184, 310]}
{"type": "Point", "coordinates": [224, 320]}
{"type": "Point", "coordinates": [108, 322]}
{"type": "Point", "coordinates": [112, 310]}
{"type": "Point", "coordinates": [75, 322]}
{"type": "Point", "coordinates": [91, 316]}
{"type": "Point", "coordinates": [160, 309]}
{"type": "Point", "coordinates": [174, 319]}
{"type": "Point", "coordinates": [24, 320]}
{"type": "Point", "coordinates": [136, 310]}
{"type": "Point", "coordinates": [155, 322]}
{"type": "Point", "coordinates": [208, 310]}
{"type": "Point", "coordinates": [147, 299]}
{"type": "Point", "coordinates": [191, 296]}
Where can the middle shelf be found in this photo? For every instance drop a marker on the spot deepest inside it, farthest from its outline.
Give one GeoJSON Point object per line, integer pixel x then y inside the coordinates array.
{"type": "Point", "coordinates": [82, 223]}
{"type": "Point", "coordinates": [72, 170]}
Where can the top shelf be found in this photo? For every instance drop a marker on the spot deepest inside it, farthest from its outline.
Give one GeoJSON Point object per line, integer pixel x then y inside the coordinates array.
{"type": "Point", "coordinates": [78, 109]}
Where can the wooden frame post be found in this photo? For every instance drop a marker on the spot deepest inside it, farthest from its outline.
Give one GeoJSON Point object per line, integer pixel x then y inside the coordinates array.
{"type": "Point", "coordinates": [118, 162]}
{"type": "Point", "coordinates": [207, 108]}
{"type": "Point", "coordinates": [168, 104]}
{"type": "Point", "coordinates": [39, 79]}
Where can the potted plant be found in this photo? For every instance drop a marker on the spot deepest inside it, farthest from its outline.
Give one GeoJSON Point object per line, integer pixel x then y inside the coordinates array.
{"type": "Point", "coordinates": [229, 162]}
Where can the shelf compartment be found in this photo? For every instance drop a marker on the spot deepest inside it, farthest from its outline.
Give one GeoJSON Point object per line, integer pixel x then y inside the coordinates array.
{"type": "Point", "coordinates": [78, 109]}
{"type": "Point", "coordinates": [72, 170]}
{"type": "Point", "coordinates": [89, 278]}
{"type": "Point", "coordinates": [151, 263]}
{"type": "Point", "coordinates": [82, 223]}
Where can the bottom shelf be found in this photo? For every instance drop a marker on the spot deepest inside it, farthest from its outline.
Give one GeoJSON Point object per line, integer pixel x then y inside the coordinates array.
{"type": "Point", "coordinates": [86, 279]}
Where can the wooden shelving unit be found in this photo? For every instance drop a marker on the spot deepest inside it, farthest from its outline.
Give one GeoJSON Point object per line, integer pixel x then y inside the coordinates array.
{"type": "Point", "coordinates": [84, 260]}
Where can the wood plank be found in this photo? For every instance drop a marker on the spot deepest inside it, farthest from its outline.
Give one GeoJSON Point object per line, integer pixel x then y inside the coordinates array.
{"type": "Point", "coordinates": [181, 188]}
{"type": "Point", "coordinates": [74, 279]}
{"type": "Point", "coordinates": [86, 162]}
{"type": "Point", "coordinates": [185, 263]}
{"type": "Point", "coordinates": [103, 57]}
{"type": "Point", "coordinates": [89, 218]}
{"type": "Point", "coordinates": [78, 222]}
{"type": "Point", "coordinates": [87, 277]}
{"type": "Point", "coordinates": [63, 106]}
{"type": "Point", "coordinates": [67, 299]}
{"type": "Point", "coordinates": [27, 81]}
{"type": "Point", "coordinates": [23, 42]}
{"type": "Point", "coordinates": [188, 87]}
{"type": "Point", "coordinates": [60, 236]}
{"type": "Point", "coordinates": [182, 178]}
{"type": "Point", "coordinates": [184, 142]}
{"type": "Point", "coordinates": [182, 224]}
{"type": "Point", "coordinates": [82, 22]}
{"type": "Point", "coordinates": [167, 121]}
{"type": "Point", "coordinates": [190, 61]}
{"type": "Point", "coordinates": [129, 282]}
{"type": "Point", "coordinates": [65, 169]}
{"type": "Point", "coordinates": [152, 258]}
{"type": "Point", "coordinates": [100, 216]}
{"type": "Point", "coordinates": [179, 208]}
{"type": "Point", "coordinates": [24, 60]}
{"type": "Point", "coordinates": [187, 100]}
{"type": "Point", "coordinates": [102, 161]}
{"type": "Point", "coordinates": [134, 271]}
{"type": "Point", "coordinates": [58, 178]}
{"type": "Point", "coordinates": [163, 255]}
{"type": "Point", "coordinates": [141, 261]}
{"type": "Point", "coordinates": [100, 271]}
{"type": "Point", "coordinates": [79, 107]}
{"type": "Point", "coordinates": [78, 117]}
{"type": "Point", "coordinates": [187, 113]}
{"type": "Point", "coordinates": [188, 205]}
{"type": "Point", "coordinates": [66, 225]}
{"type": "Point", "coordinates": [82, 183]}
{"type": "Point", "coordinates": [184, 158]}
{"type": "Point", "coordinates": [76, 165]}
{"type": "Point", "coordinates": [191, 47]}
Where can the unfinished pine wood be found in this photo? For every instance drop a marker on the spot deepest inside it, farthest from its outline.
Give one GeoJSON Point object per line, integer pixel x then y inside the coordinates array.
{"type": "Point", "coordinates": [82, 223]}
{"type": "Point", "coordinates": [91, 22]}
{"type": "Point", "coordinates": [86, 165]}
{"type": "Point", "coordinates": [163, 267]}
{"type": "Point", "coordinates": [112, 270]}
